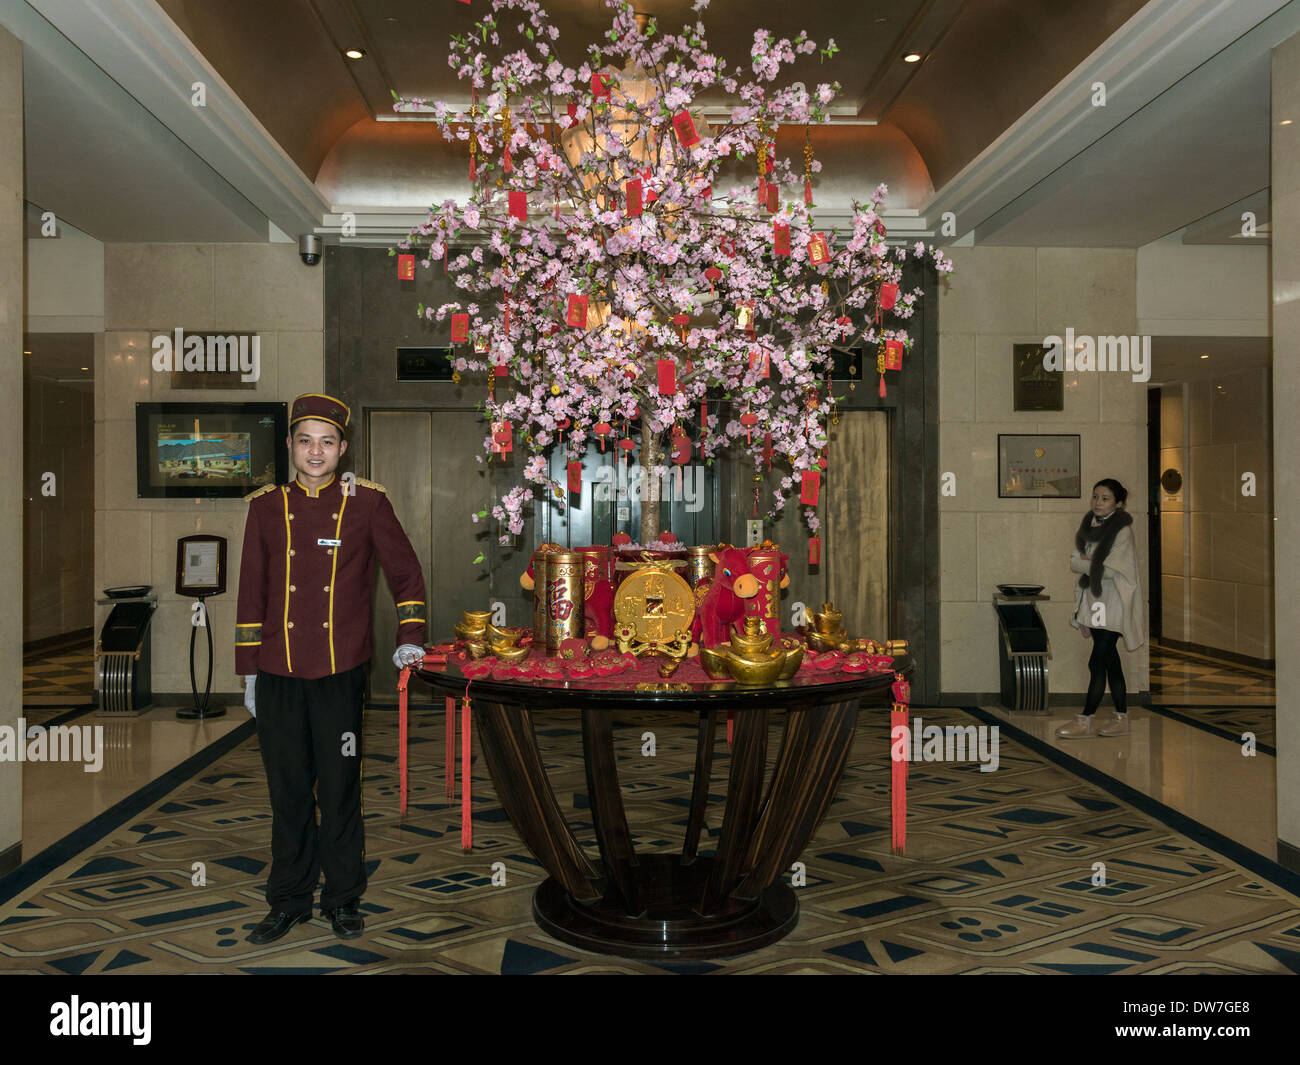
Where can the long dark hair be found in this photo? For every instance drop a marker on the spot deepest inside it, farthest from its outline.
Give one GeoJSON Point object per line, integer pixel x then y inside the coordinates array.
{"type": "Point", "coordinates": [1116, 489]}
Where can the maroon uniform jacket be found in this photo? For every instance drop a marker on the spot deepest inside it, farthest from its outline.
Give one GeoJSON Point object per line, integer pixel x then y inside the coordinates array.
{"type": "Point", "coordinates": [305, 578]}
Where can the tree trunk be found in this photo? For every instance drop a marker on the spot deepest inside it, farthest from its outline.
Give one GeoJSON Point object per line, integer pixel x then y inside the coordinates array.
{"type": "Point", "coordinates": [651, 456]}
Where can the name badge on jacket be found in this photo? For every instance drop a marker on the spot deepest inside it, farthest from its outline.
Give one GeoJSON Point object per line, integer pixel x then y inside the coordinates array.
{"type": "Point", "coordinates": [328, 543]}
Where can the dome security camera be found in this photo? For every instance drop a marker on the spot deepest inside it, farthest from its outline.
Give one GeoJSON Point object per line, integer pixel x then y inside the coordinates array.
{"type": "Point", "coordinates": [309, 249]}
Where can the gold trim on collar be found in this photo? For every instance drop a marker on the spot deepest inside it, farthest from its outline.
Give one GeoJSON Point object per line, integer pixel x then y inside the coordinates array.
{"type": "Point", "coordinates": [313, 493]}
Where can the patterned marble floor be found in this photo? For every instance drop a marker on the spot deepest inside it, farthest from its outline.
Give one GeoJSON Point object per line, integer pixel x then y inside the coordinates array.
{"type": "Point", "coordinates": [60, 678]}
{"type": "Point", "coordinates": [997, 875]}
{"type": "Point", "coordinates": [1215, 695]}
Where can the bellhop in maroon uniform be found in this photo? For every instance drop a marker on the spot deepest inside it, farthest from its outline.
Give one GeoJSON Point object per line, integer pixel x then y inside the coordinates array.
{"type": "Point", "coordinates": [303, 631]}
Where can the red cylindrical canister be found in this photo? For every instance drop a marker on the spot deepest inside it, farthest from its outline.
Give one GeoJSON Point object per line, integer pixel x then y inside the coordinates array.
{"type": "Point", "coordinates": [564, 599]}
{"type": "Point", "coordinates": [541, 558]}
{"type": "Point", "coordinates": [598, 565]}
{"type": "Point", "coordinates": [699, 567]}
{"type": "Point", "coordinates": [765, 565]}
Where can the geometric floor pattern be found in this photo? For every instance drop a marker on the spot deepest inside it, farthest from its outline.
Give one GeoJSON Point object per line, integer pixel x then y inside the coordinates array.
{"type": "Point", "coordinates": [1219, 696]}
{"type": "Point", "coordinates": [997, 878]}
{"type": "Point", "coordinates": [64, 676]}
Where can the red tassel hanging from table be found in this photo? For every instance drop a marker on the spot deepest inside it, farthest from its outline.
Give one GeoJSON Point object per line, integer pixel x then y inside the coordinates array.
{"type": "Point", "coordinates": [451, 747]}
{"type": "Point", "coordinates": [403, 680]}
{"type": "Point", "coordinates": [898, 778]}
{"type": "Point", "coordinates": [466, 817]}
{"type": "Point", "coordinates": [730, 724]}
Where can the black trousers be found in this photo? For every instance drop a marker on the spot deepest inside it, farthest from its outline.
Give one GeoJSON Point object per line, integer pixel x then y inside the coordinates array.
{"type": "Point", "coordinates": [1103, 666]}
{"type": "Point", "coordinates": [310, 735]}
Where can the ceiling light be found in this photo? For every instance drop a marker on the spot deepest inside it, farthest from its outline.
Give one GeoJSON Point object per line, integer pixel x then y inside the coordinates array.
{"type": "Point", "coordinates": [354, 53]}
{"type": "Point", "coordinates": [1285, 122]}
{"type": "Point", "coordinates": [912, 57]}
{"type": "Point", "coordinates": [1205, 356]}
{"type": "Point", "coordinates": [87, 368]}
{"type": "Point", "coordinates": [26, 352]}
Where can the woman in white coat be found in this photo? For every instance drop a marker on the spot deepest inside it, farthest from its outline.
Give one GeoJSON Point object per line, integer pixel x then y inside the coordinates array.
{"type": "Point", "coordinates": [1108, 605]}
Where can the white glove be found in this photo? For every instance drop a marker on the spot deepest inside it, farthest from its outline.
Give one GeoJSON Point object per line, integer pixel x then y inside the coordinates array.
{"type": "Point", "coordinates": [250, 687]}
{"type": "Point", "coordinates": [408, 654]}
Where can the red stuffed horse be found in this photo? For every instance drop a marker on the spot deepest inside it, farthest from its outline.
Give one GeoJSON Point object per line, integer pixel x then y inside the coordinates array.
{"type": "Point", "coordinates": [723, 605]}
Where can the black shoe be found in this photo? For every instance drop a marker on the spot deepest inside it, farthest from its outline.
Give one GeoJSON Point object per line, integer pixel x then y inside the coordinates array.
{"type": "Point", "coordinates": [275, 924]}
{"type": "Point", "coordinates": [346, 919]}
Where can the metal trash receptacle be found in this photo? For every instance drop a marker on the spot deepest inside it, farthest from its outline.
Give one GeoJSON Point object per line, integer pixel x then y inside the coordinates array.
{"type": "Point", "coordinates": [1025, 651]}
{"type": "Point", "coordinates": [123, 671]}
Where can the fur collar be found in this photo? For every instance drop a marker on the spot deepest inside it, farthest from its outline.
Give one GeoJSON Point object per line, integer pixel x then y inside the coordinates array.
{"type": "Point", "coordinates": [1103, 536]}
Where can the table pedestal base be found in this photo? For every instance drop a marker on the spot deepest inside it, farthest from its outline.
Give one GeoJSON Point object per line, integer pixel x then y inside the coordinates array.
{"type": "Point", "coordinates": [670, 925]}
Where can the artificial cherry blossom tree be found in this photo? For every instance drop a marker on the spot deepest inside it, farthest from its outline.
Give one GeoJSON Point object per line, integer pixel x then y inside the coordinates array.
{"type": "Point", "coordinates": [610, 280]}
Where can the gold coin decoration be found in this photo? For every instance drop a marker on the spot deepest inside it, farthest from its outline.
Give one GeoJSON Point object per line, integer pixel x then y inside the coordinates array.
{"type": "Point", "coordinates": [656, 604]}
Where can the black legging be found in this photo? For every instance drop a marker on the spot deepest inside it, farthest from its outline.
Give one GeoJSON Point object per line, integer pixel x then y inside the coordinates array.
{"type": "Point", "coordinates": [1104, 665]}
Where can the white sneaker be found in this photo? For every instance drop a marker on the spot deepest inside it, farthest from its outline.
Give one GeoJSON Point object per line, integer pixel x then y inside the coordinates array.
{"type": "Point", "coordinates": [1116, 726]}
{"type": "Point", "coordinates": [1080, 728]}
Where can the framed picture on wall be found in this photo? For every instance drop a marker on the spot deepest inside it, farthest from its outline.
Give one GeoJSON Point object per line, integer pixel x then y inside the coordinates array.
{"type": "Point", "coordinates": [1034, 387]}
{"type": "Point", "coordinates": [1038, 466]}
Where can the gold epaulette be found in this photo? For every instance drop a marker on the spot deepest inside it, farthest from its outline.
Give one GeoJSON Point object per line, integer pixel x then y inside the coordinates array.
{"type": "Point", "coordinates": [371, 484]}
{"type": "Point", "coordinates": [261, 491]}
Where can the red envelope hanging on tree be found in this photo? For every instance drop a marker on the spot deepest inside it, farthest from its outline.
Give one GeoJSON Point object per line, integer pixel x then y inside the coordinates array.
{"type": "Point", "coordinates": [773, 197]}
{"type": "Point", "coordinates": [633, 193]}
{"type": "Point", "coordinates": [893, 354]}
{"type": "Point", "coordinates": [767, 449]}
{"type": "Point", "coordinates": [406, 268]}
{"type": "Point", "coordinates": [575, 476]}
{"type": "Point", "coordinates": [502, 438]}
{"type": "Point", "coordinates": [518, 204]}
{"type": "Point", "coordinates": [650, 194]}
{"type": "Point", "coordinates": [818, 252]}
{"type": "Point", "coordinates": [888, 295]}
{"type": "Point", "coordinates": [781, 238]}
{"type": "Point", "coordinates": [459, 328]}
{"type": "Point", "coordinates": [667, 370]}
{"type": "Point", "coordinates": [685, 127]}
{"type": "Point", "coordinates": [815, 551]}
{"type": "Point", "coordinates": [681, 448]}
{"type": "Point", "coordinates": [499, 369]}
{"type": "Point", "coordinates": [745, 315]}
{"type": "Point", "coordinates": [809, 487]}
{"type": "Point", "coordinates": [577, 314]}
{"type": "Point", "coordinates": [760, 360]}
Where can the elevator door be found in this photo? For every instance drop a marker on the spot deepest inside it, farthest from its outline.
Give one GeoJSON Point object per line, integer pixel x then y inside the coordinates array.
{"type": "Point", "coordinates": [427, 460]}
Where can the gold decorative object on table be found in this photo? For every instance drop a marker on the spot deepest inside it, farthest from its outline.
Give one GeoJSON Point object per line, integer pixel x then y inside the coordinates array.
{"type": "Point", "coordinates": [828, 632]}
{"type": "Point", "coordinates": [794, 649]}
{"type": "Point", "coordinates": [715, 663]}
{"type": "Point", "coordinates": [653, 610]}
{"type": "Point", "coordinates": [564, 598]}
{"type": "Point", "coordinates": [751, 657]}
{"type": "Point", "coordinates": [473, 626]}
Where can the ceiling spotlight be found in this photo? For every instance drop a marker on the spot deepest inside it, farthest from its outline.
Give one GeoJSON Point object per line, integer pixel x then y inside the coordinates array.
{"type": "Point", "coordinates": [1205, 356]}
{"type": "Point", "coordinates": [354, 53]}
{"type": "Point", "coordinates": [87, 368]}
{"type": "Point", "coordinates": [1285, 122]}
{"type": "Point", "coordinates": [26, 352]}
{"type": "Point", "coordinates": [912, 57]}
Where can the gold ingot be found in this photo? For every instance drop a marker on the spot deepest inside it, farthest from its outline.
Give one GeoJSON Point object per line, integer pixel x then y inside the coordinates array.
{"type": "Point", "coordinates": [714, 663]}
{"type": "Point", "coordinates": [477, 649]}
{"type": "Point", "coordinates": [757, 669]}
{"type": "Point", "coordinates": [753, 640]}
{"type": "Point", "coordinates": [501, 637]}
{"type": "Point", "coordinates": [829, 620]}
{"type": "Point", "coordinates": [463, 632]}
{"type": "Point", "coordinates": [832, 641]}
{"type": "Point", "coordinates": [512, 654]}
{"type": "Point", "coordinates": [793, 656]}
{"type": "Point", "coordinates": [476, 619]}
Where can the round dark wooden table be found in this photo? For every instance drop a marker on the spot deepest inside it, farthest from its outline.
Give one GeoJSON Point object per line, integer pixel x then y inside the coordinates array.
{"type": "Point", "coordinates": [673, 905]}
